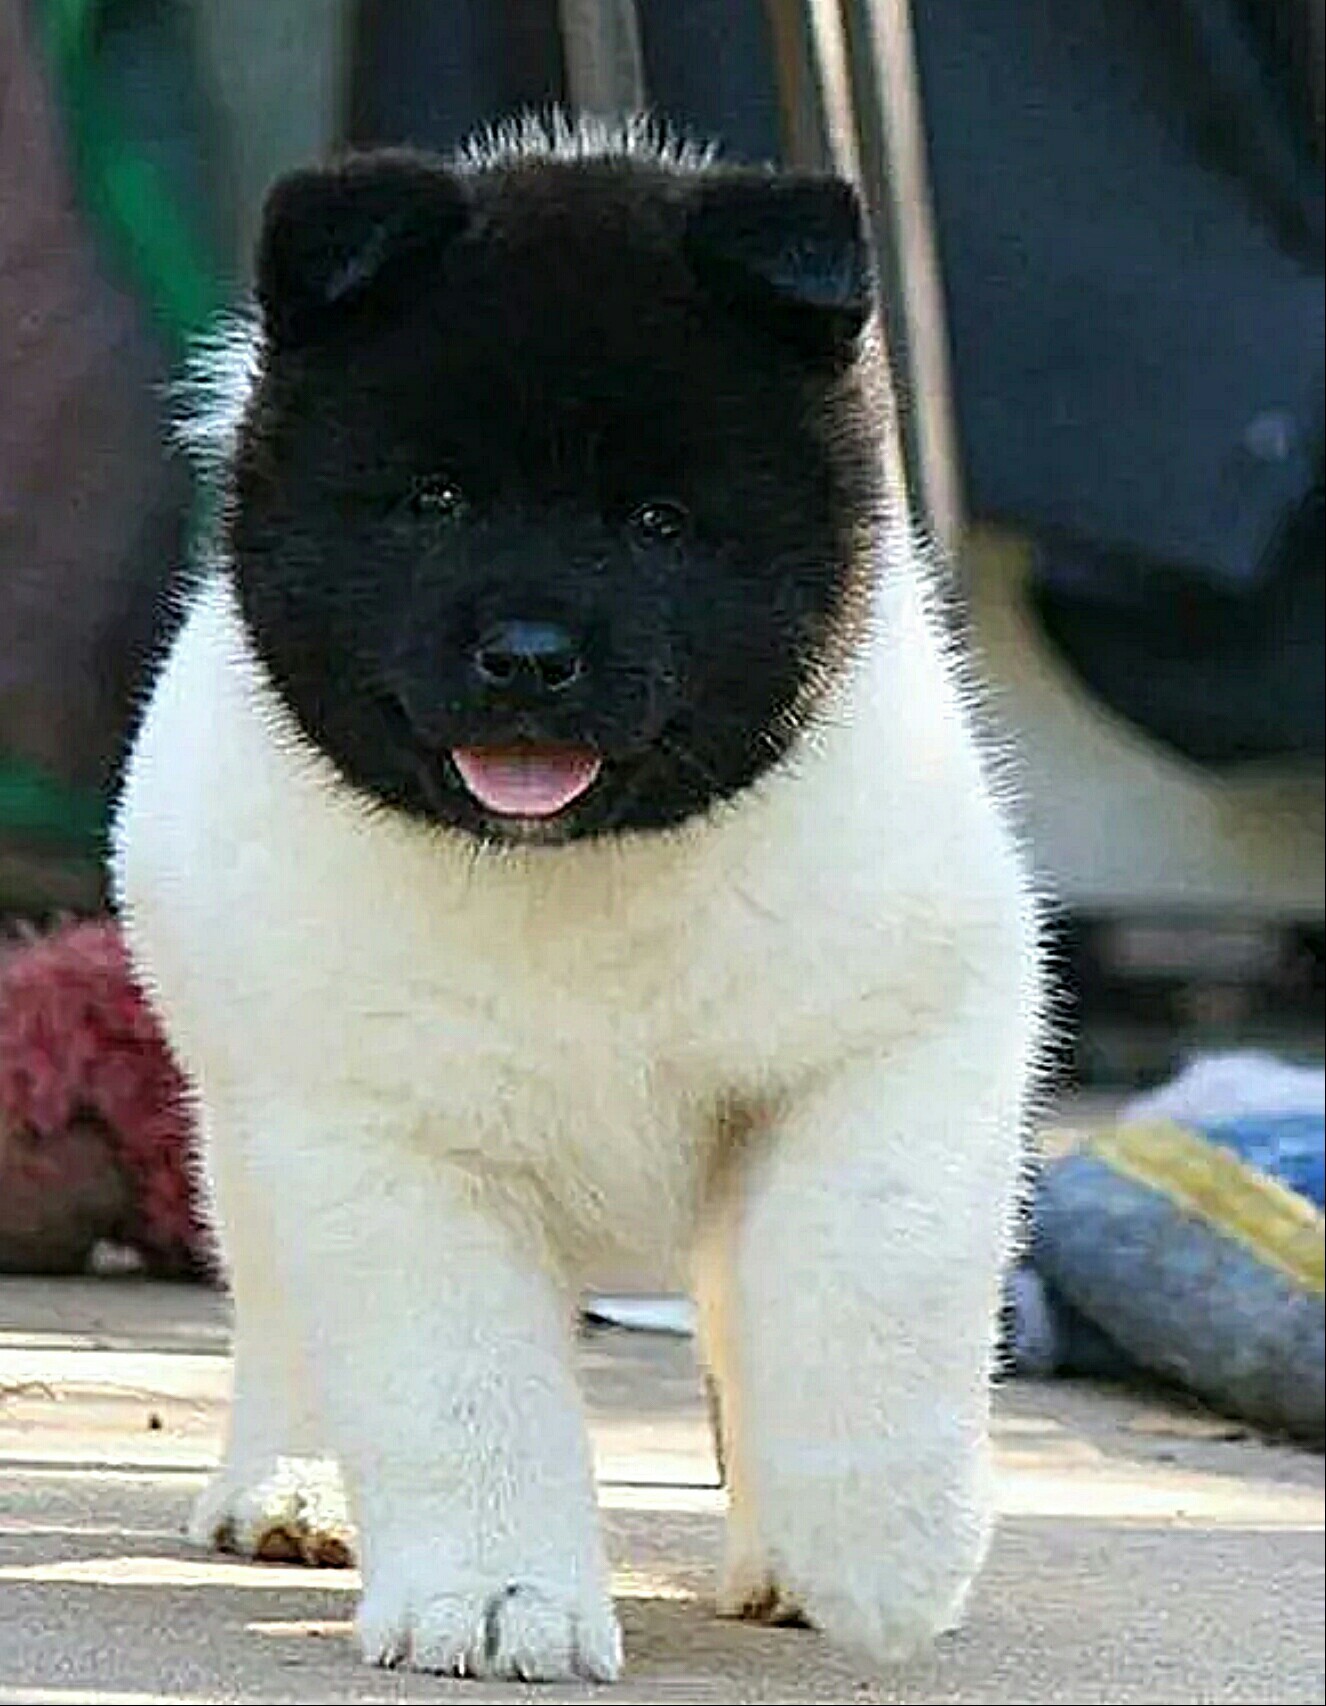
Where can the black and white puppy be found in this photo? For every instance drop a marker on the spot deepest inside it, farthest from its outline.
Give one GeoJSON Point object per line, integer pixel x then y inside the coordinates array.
{"type": "Point", "coordinates": [558, 834]}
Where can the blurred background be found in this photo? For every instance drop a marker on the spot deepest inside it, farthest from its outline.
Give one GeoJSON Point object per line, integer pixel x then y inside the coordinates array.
{"type": "Point", "coordinates": [1101, 232]}
{"type": "Point", "coordinates": [1099, 226]}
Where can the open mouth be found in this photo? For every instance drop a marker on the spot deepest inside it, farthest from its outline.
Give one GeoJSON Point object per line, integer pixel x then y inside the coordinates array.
{"type": "Point", "coordinates": [527, 782]}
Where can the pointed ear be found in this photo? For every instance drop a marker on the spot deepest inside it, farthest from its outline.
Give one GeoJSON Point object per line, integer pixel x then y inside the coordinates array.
{"type": "Point", "coordinates": [332, 234]}
{"type": "Point", "coordinates": [788, 248]}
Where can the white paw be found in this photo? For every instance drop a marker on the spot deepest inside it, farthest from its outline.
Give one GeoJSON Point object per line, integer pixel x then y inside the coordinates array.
{"type": "Point", "coordinates": [291, 1510]}
{"type": "Point", "coordinates": [515, 1628]}
{"type": "Point", "coordinates": [887, 1600]}
{"type": "Point", "coordinates": [871, 1617]}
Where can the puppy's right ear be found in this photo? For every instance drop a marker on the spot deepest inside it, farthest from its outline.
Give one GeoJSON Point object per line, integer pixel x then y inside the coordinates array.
{"type": "Point", "coordinates": [333, 235]}
{"type": "Point", "coordinates": [788, 248]}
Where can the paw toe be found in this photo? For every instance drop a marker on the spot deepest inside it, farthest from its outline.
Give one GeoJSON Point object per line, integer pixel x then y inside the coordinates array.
{"type": "Point", "coordinates": [292, 1512]}
{"type": "Point", "coordinates": [518, 1631]}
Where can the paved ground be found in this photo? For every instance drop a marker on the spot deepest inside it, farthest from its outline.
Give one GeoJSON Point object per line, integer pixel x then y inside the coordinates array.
{"type": "Point", "coordinates": [1144, 1554]}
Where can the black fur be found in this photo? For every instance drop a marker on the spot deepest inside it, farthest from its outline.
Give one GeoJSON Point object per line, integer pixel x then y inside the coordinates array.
{"type": "Point", "coordinates": [614, 394]}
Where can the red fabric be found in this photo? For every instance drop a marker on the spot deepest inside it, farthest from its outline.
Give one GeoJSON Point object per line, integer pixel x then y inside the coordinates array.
{"type": "Point", "coordinates": [77, 1038]}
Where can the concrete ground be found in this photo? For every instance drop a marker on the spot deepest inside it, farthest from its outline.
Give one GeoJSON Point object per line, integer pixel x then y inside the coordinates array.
{"type": "Point", "coordinates": [1145, 1554]}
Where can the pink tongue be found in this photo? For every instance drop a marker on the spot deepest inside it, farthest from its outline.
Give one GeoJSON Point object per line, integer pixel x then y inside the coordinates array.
{"type": "Point", "coordinates": [530, 781]}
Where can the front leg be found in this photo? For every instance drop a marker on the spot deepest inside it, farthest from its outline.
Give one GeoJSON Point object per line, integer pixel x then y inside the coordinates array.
{"type": "Point", "coordinates": [440, 1345]}
{"type": "Point", "coordinates": [848, 1283]}
{"type": "Point", "coordinates": [276, 1495]}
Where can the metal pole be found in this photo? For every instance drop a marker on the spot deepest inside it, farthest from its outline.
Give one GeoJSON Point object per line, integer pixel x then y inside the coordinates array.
{"type": "Point", "coordinates": [891, 156]}
{"type": "Point", "coordinates": [605, 71]}
{"type": "Point", "coordinates": [850, 100]}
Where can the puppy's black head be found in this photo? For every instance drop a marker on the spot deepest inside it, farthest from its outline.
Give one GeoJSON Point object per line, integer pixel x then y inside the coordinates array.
{"type": "Point", "coordinates": [547, 508]}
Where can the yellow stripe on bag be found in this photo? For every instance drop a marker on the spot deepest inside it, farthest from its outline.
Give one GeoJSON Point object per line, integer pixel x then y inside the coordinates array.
{"type": "Point", "coordinates": [1275, 1224]}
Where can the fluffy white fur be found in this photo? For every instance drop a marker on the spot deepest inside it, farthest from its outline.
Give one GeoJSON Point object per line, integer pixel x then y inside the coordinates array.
{"type": "Point", "coordinates": [558, 135]}
{"type": "Point", "coordinates": [439, 1089]}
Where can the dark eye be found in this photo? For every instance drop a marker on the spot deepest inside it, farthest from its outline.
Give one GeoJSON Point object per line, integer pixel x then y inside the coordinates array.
{"type": "Point", "coordinates": [659, 522]}
{"type": "Point", "coordinates": [438, 497]}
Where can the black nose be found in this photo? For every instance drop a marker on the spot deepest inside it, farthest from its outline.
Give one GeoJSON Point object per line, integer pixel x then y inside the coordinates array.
{"type": "Point", "coordinates": [528, 657]}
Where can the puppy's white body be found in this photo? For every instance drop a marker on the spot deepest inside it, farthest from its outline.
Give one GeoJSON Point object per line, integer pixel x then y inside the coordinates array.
{"type": "Point", "coordinates": [440, 1087]}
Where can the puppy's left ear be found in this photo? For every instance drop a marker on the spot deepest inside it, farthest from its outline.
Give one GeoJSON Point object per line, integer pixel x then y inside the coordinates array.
{"type": "Point", "coordinates": [789, 249]}
{"type": "Point", "coordinates": [335, 237]}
